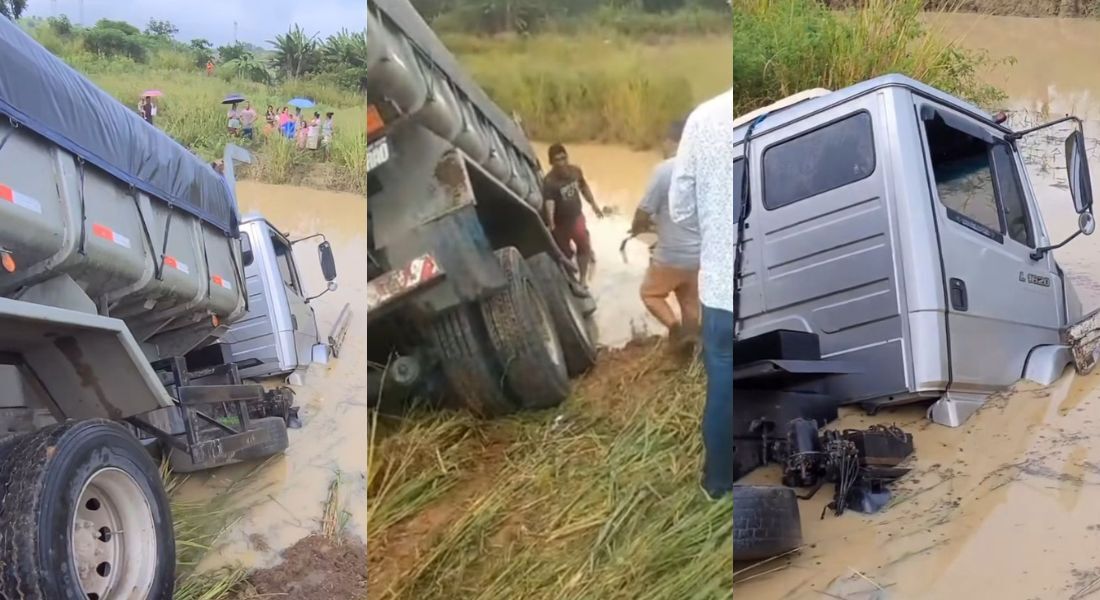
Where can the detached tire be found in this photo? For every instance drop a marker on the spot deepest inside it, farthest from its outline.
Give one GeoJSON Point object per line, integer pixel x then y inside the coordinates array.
{"type": "Point", "coordinates": [522, 331]}
{"type": "Point", "coordinates": [765, 521]}
{"type": "Point", "coordinates": [277, 442]}
{"type": "Point", "coordinates": [576, 331]}
{"type": "Point", "coordinates": [473, 379]}
{"type": "Point", "coordinates": [64, 492]}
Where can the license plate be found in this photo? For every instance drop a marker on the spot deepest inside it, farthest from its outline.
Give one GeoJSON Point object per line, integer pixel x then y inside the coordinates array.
{"type": "Point", "coordinates": [377, 154]}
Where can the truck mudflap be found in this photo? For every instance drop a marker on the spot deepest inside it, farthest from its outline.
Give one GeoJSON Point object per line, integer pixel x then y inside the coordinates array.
{"type": "Point", "coordinates": [388, 287]}
{"type": "Point", "coordinates": [1083, 338]}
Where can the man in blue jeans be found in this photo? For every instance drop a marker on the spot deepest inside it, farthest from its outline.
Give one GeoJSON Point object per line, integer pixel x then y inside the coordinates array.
{"type": "Point", "coordinates": [702, 196]}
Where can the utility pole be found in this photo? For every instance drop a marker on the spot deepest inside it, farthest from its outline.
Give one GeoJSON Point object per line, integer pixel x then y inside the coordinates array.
{"type": "Point", "coordinates": [235, 41]}
{"type": "Point", "coordinates": [80, 13]}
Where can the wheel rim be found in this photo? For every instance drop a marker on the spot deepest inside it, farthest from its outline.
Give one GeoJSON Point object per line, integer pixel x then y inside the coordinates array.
{"type": "Point", "coordinates": [547, 333]}
{"type": "Point", "coordinates": [113, 545]}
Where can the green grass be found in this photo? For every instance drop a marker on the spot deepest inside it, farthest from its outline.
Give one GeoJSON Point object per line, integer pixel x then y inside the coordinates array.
{"type": "Point", "coordinates": [602, 503]}
{"type": "Point", "coordinates": [593, 86]}
{"type": "Point", "coordinates": [191, 112]}
{"type": "Point", "coordinates": [782, 47]}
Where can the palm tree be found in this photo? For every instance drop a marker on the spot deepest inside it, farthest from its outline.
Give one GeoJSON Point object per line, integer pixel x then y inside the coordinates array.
{"type": "Point", "coordinates": [346, 55]}
{"type": "Point", "coordinates": [13, 9]}
{"type": "Point", "coordinates": [246, 66]}
{"type": "Point", "coordinates": [296, 54]}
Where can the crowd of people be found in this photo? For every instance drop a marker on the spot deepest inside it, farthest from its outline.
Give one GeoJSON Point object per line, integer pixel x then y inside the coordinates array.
{"type": "Point", "coordinates": [688, 204]}
{"type": "Point", "coordinates": [308, 133]}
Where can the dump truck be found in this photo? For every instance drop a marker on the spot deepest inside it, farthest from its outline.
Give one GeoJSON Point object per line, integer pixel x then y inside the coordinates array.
{"type": "Point", "coordinates": [122, 266]}
{"type": "Point", "coordinates": [469, 298]}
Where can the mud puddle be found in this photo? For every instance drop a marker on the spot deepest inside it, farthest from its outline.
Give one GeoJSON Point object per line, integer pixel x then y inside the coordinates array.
{"type": "Point", "coordinates": [618, 178]}
{"type": "Point", "coordinates": [283, 500]}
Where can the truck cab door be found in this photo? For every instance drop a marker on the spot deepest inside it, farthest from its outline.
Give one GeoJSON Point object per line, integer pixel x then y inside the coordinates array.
{"type": "Point", "coordinates": [302, 320]}
{"type": "Point", "coordinates": [1001, 303]}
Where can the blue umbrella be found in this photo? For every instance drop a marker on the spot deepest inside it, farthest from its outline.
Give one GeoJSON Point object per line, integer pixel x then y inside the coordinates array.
{"type": "Point", "coordinates": [301, 103]}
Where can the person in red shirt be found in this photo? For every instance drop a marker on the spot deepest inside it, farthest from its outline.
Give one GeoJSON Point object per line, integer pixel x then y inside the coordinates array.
{"type": "Point", "coordinates": [562, 189]}
{"type": "Point", "coordinates": [209, 68]}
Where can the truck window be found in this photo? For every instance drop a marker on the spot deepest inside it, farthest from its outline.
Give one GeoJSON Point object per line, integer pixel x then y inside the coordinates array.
{"type": "Point", "coordinates": [285, 260]}
{"type": "Point", "coordinates": [1017, 219]}
{"type": "Point", "coordinates": [961, 166]}
{"type": "Point", "coordinates": [824, 159]}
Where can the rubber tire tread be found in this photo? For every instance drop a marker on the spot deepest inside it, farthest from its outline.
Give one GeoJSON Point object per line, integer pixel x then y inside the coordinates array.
{"type": "Point", "coordinates": [512, 318]}
{"type": "Point", "coordinates": [29, 468]}
{"type": "Point", "coordinates": [580, 356]}
{"type": "Point", "coordinates": [474, 380]}
{"type": "Point", "coordinates": [766, 521]}
{"type": "Point", "coordinates": [181, 461]}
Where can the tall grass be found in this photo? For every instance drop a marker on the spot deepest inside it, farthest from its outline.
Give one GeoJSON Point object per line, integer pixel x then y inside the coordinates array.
{"type": "Point", "coordinates": [598, 500]}
{"type": "Point", "coordinates": [596, 86]}
{"type": "Point", "coordinates": [782, 47]}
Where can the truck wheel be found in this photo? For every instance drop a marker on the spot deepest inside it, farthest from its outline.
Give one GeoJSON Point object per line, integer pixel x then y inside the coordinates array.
{"type": "Point", "coordinates": [275, 443]}
{"type": "Point", "coordinates": [576, 331]}
{"type": "Point", "coordinates": [522, 332]}
{"type": "Point", "coordinates": [83, 516]}
{"type": "Point", "coordinates": [765, 521]}
{"type": "Point", "coordinates": [473, 379]}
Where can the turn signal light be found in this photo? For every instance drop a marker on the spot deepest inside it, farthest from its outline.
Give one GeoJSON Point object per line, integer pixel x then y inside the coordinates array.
{"type": "Point", "coordinates": [8, 261]}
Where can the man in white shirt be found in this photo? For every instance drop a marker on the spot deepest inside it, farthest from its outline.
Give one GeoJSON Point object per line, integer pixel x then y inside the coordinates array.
{"type": "Point", "coordinates": [702, 196]}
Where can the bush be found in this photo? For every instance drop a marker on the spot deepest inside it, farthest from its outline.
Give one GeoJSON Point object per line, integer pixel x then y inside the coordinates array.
{"type": "Point", "coordinates": [781, 47]}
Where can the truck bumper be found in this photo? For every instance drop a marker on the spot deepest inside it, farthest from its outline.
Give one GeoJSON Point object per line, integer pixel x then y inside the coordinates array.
{"type": "Point", "coordinates": [384, 290]}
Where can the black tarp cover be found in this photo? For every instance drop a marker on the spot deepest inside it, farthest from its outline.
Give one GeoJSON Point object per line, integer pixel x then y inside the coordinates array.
{"type": "Point", "coordinates": [40, 92]}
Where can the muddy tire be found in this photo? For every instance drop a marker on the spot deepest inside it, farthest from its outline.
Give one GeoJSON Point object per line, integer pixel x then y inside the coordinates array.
{"type": "Point", "coordinates": [63, 491]}
{"type": "Point", "coordinates": [576, 331]}
{"type": "Point", "coordinates": [522, 332]}
{"type": "Point", "coordinates": [765, 521]}
{"type": "Point", "coordinates": [473, 379]}
{"type": "Point", "coordinates": [277, 441]}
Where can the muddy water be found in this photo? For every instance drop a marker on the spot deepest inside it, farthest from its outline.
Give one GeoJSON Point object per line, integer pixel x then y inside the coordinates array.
{"type": "Point", "coordinates": [283, 499]}
{"type": "Point", "coordinates": [1005, 506]}
{"type": "Point", "coordinates": [618, 177]}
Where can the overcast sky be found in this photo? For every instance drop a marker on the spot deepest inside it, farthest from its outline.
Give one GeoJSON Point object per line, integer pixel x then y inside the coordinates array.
{"type": "Point", "coordinates": [257, 20]}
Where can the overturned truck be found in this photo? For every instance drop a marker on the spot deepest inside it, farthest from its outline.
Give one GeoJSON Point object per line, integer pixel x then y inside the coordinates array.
{"type": "Point", "coordinates": [122, 270]}
{"type": "Point", "coordinates": [469, 298]}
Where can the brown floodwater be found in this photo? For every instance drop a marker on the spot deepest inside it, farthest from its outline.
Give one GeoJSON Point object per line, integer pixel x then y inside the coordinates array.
{"type": "Point", "coordinates": [1004, 506]}
{"type": "Point", "coordinates": [283, 499]}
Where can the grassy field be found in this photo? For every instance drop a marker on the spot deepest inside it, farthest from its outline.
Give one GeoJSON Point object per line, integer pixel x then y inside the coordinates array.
{"type": "Point", "coordinates": [782, 47]}
{"type": "Point", "coordinates": [592, 86]}
{"type": "Point", "coordinates": [191, 112]}
{"type": "Point", "coordinates": [598, 499]}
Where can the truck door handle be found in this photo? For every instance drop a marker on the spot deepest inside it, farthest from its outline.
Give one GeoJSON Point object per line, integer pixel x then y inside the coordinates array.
{"type": "Point", "coordinates": [958, 295]}
{"type": "Point", "coordinates": [294, 322]}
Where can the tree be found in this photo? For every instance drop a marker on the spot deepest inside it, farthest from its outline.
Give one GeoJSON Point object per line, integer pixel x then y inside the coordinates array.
{"type": "Point", "coordinates": [161, 29]}
{"type": "Point", "coordinates": [345, 55]}
{"type": "Point", "coordinates": [62, 26]}
{"type": "Point", "coordinates": [13, 9]}
{"type": "Point", "coordinates": [296, 54]}
{"type": "Point", "coordinates": [202, 50]}
{"type": "Point", "coordinates": [246, 66]}
{"type": "Point", "coordinates": [231, 52]}
{"type": "Point", "coordinates": [116, 38]}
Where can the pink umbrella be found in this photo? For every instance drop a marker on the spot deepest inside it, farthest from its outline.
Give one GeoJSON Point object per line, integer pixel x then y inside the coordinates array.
{"type": "Point", "coordinates": [152, 93]}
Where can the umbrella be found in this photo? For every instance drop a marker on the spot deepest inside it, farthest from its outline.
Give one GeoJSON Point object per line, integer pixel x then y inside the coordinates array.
{"type": "Point", "coordinates": [233, 99]}
{"type": "Point", "coordinates": [301, 103]}
{"type": "Point", "coordinates": [152, 93]}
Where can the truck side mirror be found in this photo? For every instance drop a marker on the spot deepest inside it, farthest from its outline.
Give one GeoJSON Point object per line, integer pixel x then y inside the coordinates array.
{"type": "Point", "coordinates": [328, 262]}
{"type": "Point", "coordinates": [1077, 170]}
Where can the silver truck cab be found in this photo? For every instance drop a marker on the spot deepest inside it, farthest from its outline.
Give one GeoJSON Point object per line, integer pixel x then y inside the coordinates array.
{"type": "Point", "coordinates": [899, 225]}
{"type": "Point", "coordinates": [278, 333]}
